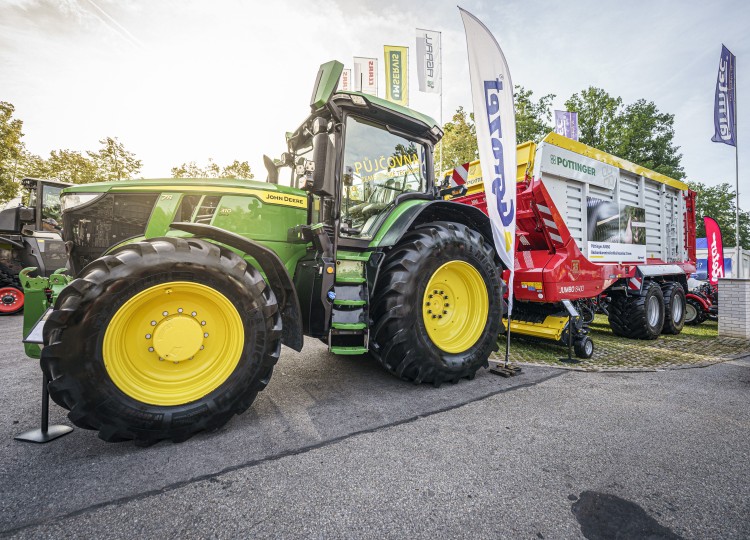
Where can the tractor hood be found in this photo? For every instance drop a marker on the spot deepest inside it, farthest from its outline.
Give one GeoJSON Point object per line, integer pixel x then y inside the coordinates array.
{"type": "Point", "coordinates": [208, 185]}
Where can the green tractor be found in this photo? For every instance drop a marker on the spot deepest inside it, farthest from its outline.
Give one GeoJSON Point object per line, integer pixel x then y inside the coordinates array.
{"type": "Point", "coordinates": [29, 236]}
{"type": "Point", "coordinates": [186, 289]}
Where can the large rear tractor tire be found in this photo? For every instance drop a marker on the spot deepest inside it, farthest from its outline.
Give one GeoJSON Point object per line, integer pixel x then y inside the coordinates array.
{"type": "Point", "coordinates": [160, 340]}
{"type": "Point", "coordinates": [674, 308]}
{"type": "Point", "coordinates": [638, 316]}
{"type": "Point", "coordinates": [694, 314]}
{"type": "Point", "coordinates": [438, 305]}
{"type": "Point", "coordinates": [11, 293]}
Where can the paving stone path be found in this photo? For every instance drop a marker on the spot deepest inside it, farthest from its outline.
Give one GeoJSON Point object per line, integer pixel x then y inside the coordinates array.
{"type": "Point", "coordinates": [696, 346]}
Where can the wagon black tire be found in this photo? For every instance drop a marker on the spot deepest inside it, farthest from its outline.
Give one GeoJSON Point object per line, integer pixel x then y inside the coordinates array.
{"type": "Point", "coordinates": [694, 314]}
{"type": "Point", "coordinates": [639, 316]}
{"type": "Point", "coordinates": [74, 355]}
{"type": "Point", "coordinates": [400, 339]}
{"type": "Point", "coordinates": [584, 347]}
{"type": "Point", "coordinates": [674, 308]}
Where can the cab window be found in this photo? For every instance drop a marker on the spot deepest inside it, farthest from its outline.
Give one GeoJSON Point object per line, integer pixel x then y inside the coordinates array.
{"type": "Point", "coordinates": [378, 166]}
{"type": "Point", "coordinates": [51, 210]}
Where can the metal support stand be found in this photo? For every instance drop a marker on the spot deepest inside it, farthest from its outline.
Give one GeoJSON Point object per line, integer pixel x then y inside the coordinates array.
{"type": "Point", "coordinates": [506, 370]}
{"type": "Point", "coordinates": [569, 359]}
{"type": "Point", "coordinates": [45, 433]}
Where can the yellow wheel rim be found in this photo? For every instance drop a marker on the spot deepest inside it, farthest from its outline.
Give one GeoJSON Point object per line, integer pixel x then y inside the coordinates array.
{"type": "Point", "coordinates": [173, 343]}
{"type": "Point", "coordinates": [455, 307]}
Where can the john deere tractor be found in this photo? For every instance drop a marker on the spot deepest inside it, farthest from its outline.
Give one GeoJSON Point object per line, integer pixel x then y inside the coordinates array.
{"type": "Point", "coordinates": [186, 289]}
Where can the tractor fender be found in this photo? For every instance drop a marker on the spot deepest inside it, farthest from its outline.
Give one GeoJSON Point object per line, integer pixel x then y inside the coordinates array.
{"type": "Point", "coordinates": [439, 210]}
{"type": "Point", "coordinates": [702, 300]}
{"type": "Point", "coordinates": [272, 267]}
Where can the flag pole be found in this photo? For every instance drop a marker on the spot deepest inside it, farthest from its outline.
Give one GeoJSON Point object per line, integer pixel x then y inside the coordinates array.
{"type": "Point", "coordinates": [738, 246]}
{"type": "Point", "coordinates": [441, 105]}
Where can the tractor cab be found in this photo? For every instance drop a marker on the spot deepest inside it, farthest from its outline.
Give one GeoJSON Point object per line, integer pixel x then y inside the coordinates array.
{"type": "Point", "coordinates": [358, 157]}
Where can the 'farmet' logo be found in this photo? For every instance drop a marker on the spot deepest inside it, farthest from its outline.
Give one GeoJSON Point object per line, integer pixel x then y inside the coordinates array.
{"type": "Point", "coordinates": [506, 209]}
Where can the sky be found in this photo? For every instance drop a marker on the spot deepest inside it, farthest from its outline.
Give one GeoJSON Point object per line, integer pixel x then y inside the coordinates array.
{"type": "Point", "coordinates": [188, 80]}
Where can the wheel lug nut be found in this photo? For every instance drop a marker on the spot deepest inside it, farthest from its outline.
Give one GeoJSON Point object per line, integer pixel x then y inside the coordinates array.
{"type": "Point", "coordinates": [150, 349]}
{"type": "Point", "coordinates": [446, 297]}
{"type": "Point", "coordinates": [148, 336]}
{"type": "Point", "coordinates": [203, 347]}
{"type": "Point", "coordinates": [434, 316]}
{"type": "Point", "coordinates": [203, 323]}
{"type": "Point", "coordinates": [446, 304]}
{"type": "Point", "coordinates": [193, 313]}
{"type": "Point", "coordinates": [428, 303]}
{"type": "Point", "coordinates": [153, 323]}
{"type": "Point", "coordinates": [179, 310]}
{"type": "Point", "coordinates": [445, 312]}
{"type": "Point", "coordinates": [205, 335]}
{"type": "Point", "coordinates": [165, 313]}
{"type": "Point", "coordinates": [161, 359]}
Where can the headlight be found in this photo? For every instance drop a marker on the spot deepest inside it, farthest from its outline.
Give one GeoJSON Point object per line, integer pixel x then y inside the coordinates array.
{"type": "Point", "coordinates": [71, 200]}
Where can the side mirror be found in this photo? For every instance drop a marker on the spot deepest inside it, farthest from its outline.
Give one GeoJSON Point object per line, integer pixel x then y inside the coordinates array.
{"type": "Point", "coordinates": [26, 214]}
{"type": "Point", "coordinates": [273, 172]}
{"type": "Point", "coordinates": [322, 174]}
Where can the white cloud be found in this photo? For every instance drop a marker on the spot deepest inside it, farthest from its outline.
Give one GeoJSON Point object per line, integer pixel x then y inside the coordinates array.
{"type": "Point", "coordinates": [187, 80]}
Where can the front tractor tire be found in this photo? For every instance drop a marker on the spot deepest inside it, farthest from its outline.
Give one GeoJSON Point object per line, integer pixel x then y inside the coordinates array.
{"type": "Point", "coordinates": [160, 340]}
{"type": "Point", "coordinates": [438, 305]}
{"type": "Point", "coordinates": [639, 316]}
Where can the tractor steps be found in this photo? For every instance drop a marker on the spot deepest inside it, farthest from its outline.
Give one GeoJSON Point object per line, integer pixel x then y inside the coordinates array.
{"type": "Point", "coordinates": [349, 334]}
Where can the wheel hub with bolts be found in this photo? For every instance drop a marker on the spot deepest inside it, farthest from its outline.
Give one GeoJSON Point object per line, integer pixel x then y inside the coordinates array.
{"type": "Point", "coordinates": [455, 306]}
{"type": "Point", "coordinates": [173, 343]}
{"type": "Point", "coordinates": [11, 299]}
{"type": "Point", "coordinates": [177, 337]}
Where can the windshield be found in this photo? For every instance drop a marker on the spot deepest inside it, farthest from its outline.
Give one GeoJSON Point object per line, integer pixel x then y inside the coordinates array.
{"type": "Point", "coordinates": [378, 166]}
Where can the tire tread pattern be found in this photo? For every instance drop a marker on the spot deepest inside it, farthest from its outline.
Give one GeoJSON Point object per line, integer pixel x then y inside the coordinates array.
{"type": "Point", "coordinates": [74, 374]}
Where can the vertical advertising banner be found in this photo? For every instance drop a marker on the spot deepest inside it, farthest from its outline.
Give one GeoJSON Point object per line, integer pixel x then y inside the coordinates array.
{"type": "Point", "coordinates": [366, 75]}
{"type": "Point", "coordinates": [397, 74]}
{"type": "Point", "coordinates": [566, 124]}
{"type": "Point", "coordinates": [715, 250]}
{"type": "Point", "coordinates": [345, 83]}
{"type": "Point", "coordinates": [495, 120]}
{"type": "Point", "coordinates": [725, 100]}
{"type": "Point", "coordinates": [429, 62]}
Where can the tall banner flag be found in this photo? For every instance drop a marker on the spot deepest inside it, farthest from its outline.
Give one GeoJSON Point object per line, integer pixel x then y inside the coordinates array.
{"type": "Point", "coordinates": [429, 61]}
{"type": "Point", "coordinates": [715, 250]}
{"type": "Point", "coordinates": [397, 74]}
{"type": "Point", "coordinates": [366, 75]}
{"type": "Point", "coordinates": [566, 124]}
{"type": "Point", "coordinates": [495, 120]}
{"type": "Point", "coordinates": [346, 80]}
{"type": "Point", "coordinates": [725, 101]}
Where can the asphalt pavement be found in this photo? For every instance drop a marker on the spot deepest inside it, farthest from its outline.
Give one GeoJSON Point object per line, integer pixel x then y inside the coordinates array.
{"type": "Point", "coordinates": [338, 448]}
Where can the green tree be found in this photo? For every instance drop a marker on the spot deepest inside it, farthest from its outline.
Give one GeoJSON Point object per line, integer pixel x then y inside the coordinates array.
{"type": "Point", "coordinates": [69, 166]}
{"type": "Point", "coordinates": [718, 202]}
{"type": "Point", "coordinates": [597, 115]}
{"type": "Point", "coordinates": [12, 151]}
{"type": "Point", "coordinates": [113, 162]}
{"type": "Point", "coordinates": [637, 132]}
{"type": "Point", "coordinates": [236, 169]}
{"type": "Point", "coordinates": [459, 144]}
{"type": "Point", "coordinates": [533, 120]}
